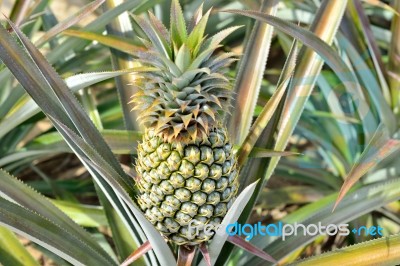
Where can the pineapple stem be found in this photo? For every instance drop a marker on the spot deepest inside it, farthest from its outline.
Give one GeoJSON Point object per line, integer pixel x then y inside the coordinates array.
{"type": "Point", "coordinates": [186, 255]}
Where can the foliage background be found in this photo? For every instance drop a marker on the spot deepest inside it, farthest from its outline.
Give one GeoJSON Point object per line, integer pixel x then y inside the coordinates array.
{"type": "Point", "coordinates": [341, 131]}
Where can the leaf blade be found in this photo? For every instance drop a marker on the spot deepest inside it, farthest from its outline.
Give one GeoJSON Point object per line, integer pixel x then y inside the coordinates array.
{"type": "Point", "coordinates": [379, 148]}
{"type": "Point", "coordinates": [12, 252]}
{"type": "Point", "coordinates": [232, 215]}
{"type": "Point", "coordinates": [18, 192]}
{"type": "Point", "coordinates": [251, 71]}
{"type": "Point", "coordinates": [386, 252]}
{"type": "Point", "coordinates": [48, 235]}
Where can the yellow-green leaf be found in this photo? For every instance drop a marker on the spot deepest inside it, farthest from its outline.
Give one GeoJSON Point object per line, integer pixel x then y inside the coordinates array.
{"type": "Point", "coordinates": [384, 251]}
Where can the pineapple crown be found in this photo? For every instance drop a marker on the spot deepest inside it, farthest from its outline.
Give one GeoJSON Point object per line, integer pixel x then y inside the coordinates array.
{"type": "Point", "coordinates": [182, 100]}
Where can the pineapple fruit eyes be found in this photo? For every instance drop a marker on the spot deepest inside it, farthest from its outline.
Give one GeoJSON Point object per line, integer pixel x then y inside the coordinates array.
{"type": "Point", "coordinates": [185, 183]}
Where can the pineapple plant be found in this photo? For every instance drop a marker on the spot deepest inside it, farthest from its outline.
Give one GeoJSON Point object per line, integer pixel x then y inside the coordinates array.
{"type": "Point", "coordinates": [186, 166]}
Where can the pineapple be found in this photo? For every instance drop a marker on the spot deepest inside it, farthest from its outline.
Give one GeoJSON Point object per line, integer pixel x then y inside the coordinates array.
{"type": "Point", "coordinates": [187, 172]}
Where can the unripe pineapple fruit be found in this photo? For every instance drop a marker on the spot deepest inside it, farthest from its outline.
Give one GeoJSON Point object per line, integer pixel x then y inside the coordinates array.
{"type": "Point", "coordinates": [184, 182]}
{"type": "Point", "coordinates": [186, 168]}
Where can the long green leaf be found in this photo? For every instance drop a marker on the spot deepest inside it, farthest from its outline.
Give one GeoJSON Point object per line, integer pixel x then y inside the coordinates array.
{"type": "Point", "coordinates": [263, 153]}
{"type": "Point", "coordinates": [120, 141]}
{"type": "Point", "coordinates": [309, 67]}
{"type": "Point", "coordinates": [369, 82]}
{"type": "Point", "coordinates": [271, 198]}
{"type": "Point", "coordinates": [12, 252]}
{"type": "Point", "coordinates": [75, 112]}
{"type": "Point", "coordinates": [268, 110]}
{"type": "Point", "coordinates": [251, 72]}
{"type": "Point", "coordinates": [394, 61]}
{"type": "Point", "coordinates": [84, 215]}
{"type": "Point", "coordinates": [19, 11]}
{"type": "Point", "coordinates": [49, 235]}
{"type": "Point", "coordinates": [45, 86]}
{"type": "Point", "coordinates": [232, 215]}
{"type": "Point", "coordinates": [385, 250]}
{"type": "Point", "coordinates": [380, 147]}
{"type": "Point", "coordinates": [121, 236]}
{"type": "Point", "coordinates": [70, 21]}
{"type": "Point", "coordinates": [88, 155]}
{"type": "Point", "coordinates": [354, 205]}
{"type": "Point", "coordinates": [121, 26]}
{"type": "Point", "coordinates": [97, 25]}
{"type": "Point", "coordinates": [27, 108]}
{"type": "Point", "coordinates": [358, 14]}
{"type": "Point", "coordinates": [16, 191]}
{"type": "Point", "coordinates": [264, 136]}
{"type": "Point", "coordinates": [311, 40]}
{"type": "Point", "coordinates": [119, 43]}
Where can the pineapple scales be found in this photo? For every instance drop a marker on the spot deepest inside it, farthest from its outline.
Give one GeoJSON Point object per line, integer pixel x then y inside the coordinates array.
{"type": "Point", "coordinates": [186, 167]}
